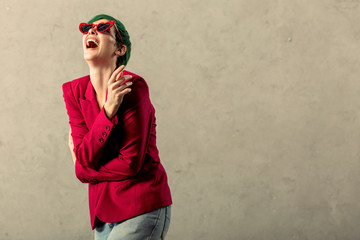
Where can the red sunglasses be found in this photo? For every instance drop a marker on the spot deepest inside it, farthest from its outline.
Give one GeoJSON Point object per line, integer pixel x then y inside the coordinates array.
{"type": "Point", "coordinates": [100, 27]}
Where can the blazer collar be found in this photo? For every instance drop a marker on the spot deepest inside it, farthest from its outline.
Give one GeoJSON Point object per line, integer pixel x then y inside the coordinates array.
{"type": "Point", "coordinates": [90, 91]}
{"type": "Point", "coordinates": [89, 106]}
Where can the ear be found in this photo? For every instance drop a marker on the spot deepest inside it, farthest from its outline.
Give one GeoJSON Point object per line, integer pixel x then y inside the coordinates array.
{"type": "Point", "coordinates": [121, 51]}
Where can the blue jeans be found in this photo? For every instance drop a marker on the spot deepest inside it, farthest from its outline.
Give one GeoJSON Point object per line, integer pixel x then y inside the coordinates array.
{"type": "Point", "coordinates": [149, 226]}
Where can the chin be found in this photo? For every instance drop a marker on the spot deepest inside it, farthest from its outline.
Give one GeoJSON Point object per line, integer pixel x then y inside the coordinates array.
{"type": "Point", "coordinates": [88, 56]}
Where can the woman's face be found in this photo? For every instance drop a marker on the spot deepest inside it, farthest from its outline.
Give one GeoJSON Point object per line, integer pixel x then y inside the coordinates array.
{"type": "Point", "coordinates": [98, 47]}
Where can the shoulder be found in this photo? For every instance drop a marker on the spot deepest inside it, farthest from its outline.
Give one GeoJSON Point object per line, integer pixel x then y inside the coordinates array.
{"type": "Point", "coordinates": [138, 81]}
{"type": "Point", "coordinates": [77, 86]}
{"type": "Point", "coordinates": [139, 90]}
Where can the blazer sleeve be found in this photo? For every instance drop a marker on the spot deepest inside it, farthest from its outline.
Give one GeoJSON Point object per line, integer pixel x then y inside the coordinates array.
{"type": "Point", "coordinates": [89, 144]}
{"type": "Point", "coordinates": [136, 118]}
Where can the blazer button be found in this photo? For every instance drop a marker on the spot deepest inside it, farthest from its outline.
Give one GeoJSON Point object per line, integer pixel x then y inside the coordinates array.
{"type": "Point", "coordinates": [107, 128]}
{"type": "Point", "coordinates": [101, 140]}
{"type": "Point", "coordinates": [104, 134]}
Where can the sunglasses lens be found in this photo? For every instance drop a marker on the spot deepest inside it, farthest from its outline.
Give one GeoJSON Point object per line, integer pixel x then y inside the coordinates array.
{"type": "Point", "coordinates": [85, 28]}
{"type": "Point", "coordinates": [103, 26]}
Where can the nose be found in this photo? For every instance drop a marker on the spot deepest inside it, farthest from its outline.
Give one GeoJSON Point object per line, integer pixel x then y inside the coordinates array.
{"type": "Point", "coordinates": [92, 31]}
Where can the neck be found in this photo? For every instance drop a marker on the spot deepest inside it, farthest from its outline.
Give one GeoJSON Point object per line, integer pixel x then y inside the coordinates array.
{"type": "Point", "coordinates": [99, 77]}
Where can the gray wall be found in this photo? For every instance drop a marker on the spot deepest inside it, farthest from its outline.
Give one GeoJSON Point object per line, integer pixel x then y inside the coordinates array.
{"type": "Point", "coordinates": [257, 106]}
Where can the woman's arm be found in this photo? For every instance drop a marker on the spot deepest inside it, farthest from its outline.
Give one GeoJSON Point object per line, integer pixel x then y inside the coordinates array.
{"type": "Point", "coordinates": [89, 143]}
{"type": "Point", "coordinates": [136, 135]}
{"type": "Point", "coordinates": [136, 122]}
{"type": "Point", "coordinates": [88, 148]}
{"type": "Point", "coordinates": [88, 175]}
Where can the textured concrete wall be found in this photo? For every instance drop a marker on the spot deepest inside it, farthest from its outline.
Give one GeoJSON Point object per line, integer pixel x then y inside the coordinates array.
{"type": "Point", "coordinates": [257, 106]}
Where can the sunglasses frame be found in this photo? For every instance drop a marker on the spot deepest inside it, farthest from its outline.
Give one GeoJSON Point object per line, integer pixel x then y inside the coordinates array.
{"type": "Point", "coordinates": [112, 23]}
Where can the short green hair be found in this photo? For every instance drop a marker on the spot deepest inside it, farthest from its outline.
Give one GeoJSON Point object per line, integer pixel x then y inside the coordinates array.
{"type": "Point", "coordinates": [122, 60]}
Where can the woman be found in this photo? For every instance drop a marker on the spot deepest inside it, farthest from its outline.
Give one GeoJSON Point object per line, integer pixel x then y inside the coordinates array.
{"type": "Point", "coordinates": [112, 139]}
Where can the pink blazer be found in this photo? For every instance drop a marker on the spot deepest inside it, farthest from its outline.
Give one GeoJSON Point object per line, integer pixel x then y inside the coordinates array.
{"type": "Point", "coordinates": [118, 157]}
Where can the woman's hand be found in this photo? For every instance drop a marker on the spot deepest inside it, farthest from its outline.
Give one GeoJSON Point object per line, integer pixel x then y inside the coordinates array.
{"type": "Point", "coordinates": [116, 91]}
{"type": "Point", "coordinates": [71, 146]}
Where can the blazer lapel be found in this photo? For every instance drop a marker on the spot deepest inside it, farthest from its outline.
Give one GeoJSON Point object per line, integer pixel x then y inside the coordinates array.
{"type": "Point", "coordinates": [89, 106]}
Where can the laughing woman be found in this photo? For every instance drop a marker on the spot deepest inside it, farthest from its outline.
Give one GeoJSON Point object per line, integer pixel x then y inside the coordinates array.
{"type": "Point", "coordinates": [112, 139]}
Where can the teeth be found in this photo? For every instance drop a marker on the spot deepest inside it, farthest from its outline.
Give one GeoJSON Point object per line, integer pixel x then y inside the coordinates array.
{"type": "Point", "coordinates": [91, 40]}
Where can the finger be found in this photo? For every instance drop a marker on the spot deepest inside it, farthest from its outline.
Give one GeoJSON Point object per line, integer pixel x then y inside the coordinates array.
{"type": "Point", "coordinates": [123, 79]}
{"type": "Point", "coordinates": [121, 88]}
{"type": "Point", "coordinates": [119, 84]}
{"type": "Point", "coordinates": [123, 92]}
{"type": "Point", "coordinates": [119, 75]}
{"type": "Point", "coordinates": [115, 74]}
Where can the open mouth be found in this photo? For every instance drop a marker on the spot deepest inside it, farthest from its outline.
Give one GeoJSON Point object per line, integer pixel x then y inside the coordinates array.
{"type": "Point", "coordinates": [91, 43]}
